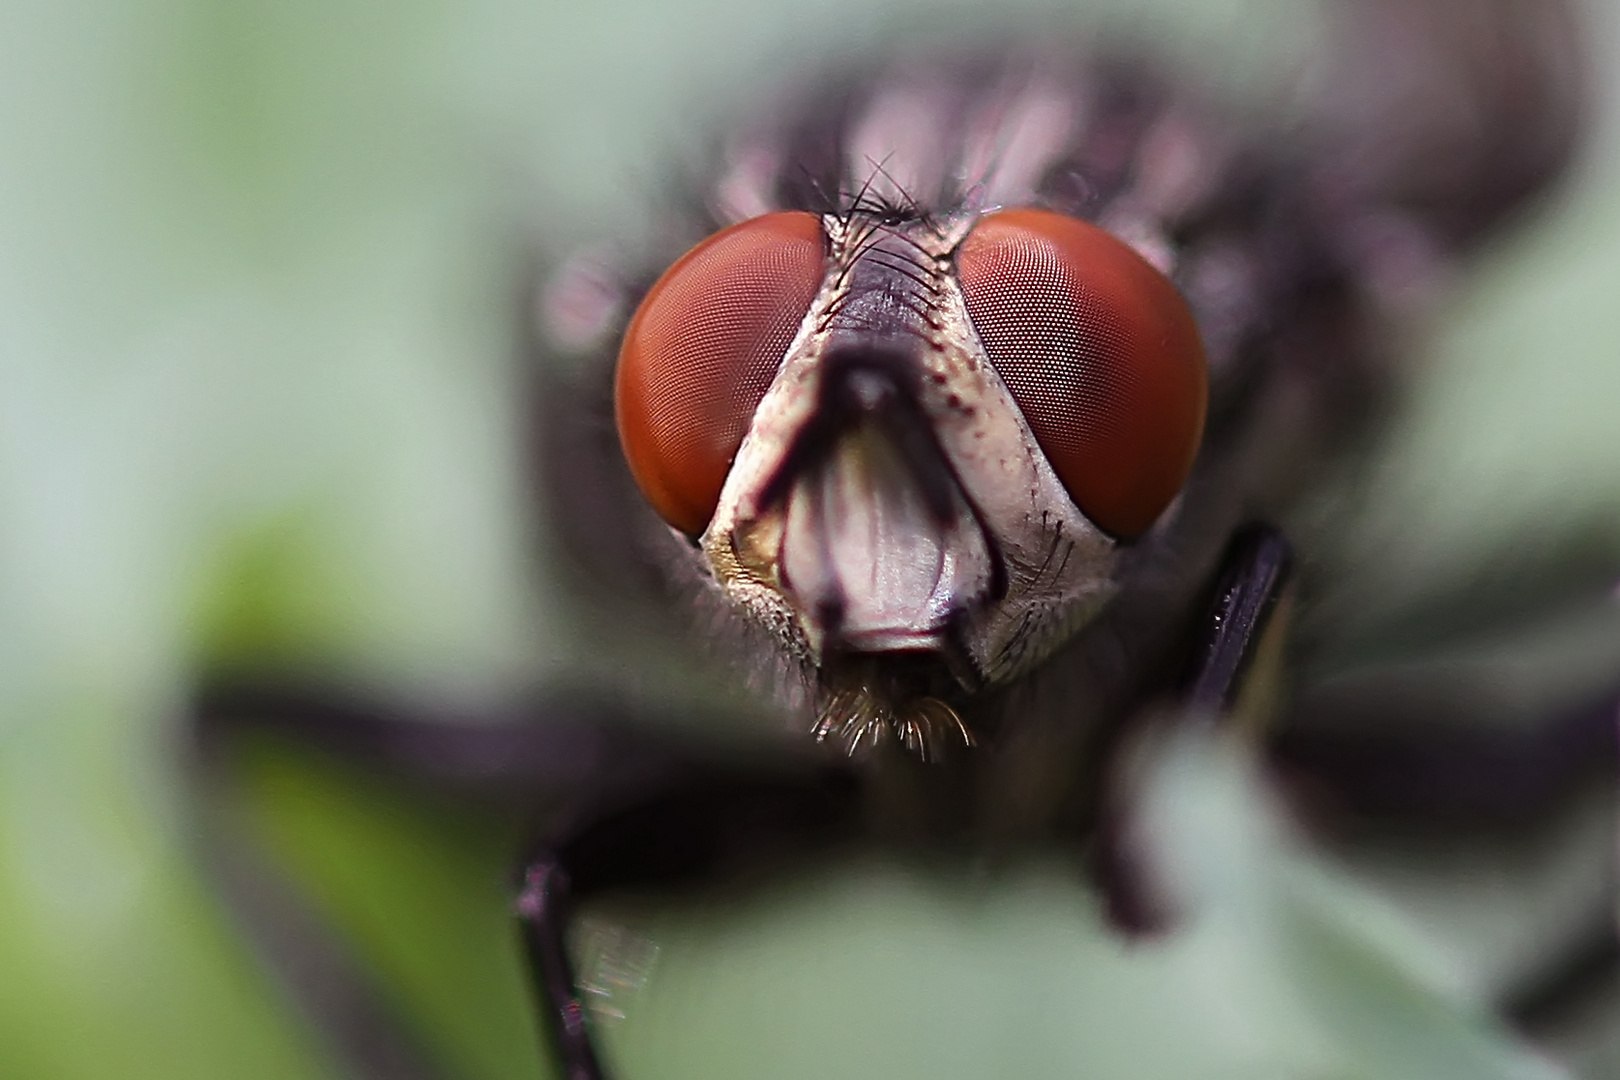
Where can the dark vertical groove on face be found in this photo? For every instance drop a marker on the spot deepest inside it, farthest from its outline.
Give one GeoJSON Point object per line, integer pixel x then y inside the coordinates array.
{"type": "Point", "coordinates": [812, 172]}
{"type": "Point", "coordinates": [1126, 98]}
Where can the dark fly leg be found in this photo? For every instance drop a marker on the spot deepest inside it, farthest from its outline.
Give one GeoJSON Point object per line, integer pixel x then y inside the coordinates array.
{"type": "Point", "coordinates": [1439, 771]}
{"type": "Point", "coordinates": [1233, 637]}
{"type": "Point", "coordinates": [332, 988]}
{"type": "Point", "coordinates": [1231, 671]}
{"type": "Point", "coordinates": [1432, 765]}
{"type": "Point", "coordinates": [708, 825]}
{"type": "Point", "coordinates": [634, 811]}
{"type": "Point", "coordinates": [545, 908]}
{"type": "Point", "coordinates": [514, 756]}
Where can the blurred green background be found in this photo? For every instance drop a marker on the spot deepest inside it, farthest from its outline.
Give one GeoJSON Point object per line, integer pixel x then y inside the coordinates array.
{"type": "Point", "coordinates": [257, 344]}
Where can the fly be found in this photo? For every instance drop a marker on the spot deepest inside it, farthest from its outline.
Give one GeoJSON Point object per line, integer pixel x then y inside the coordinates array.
{"type": "Point", "coordinates": [973, 417]}
{"type": "Point", "coordinates": [965, 408]}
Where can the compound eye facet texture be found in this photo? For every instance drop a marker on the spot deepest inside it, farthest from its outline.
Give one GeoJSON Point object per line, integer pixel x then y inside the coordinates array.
{"type": "Point", "coordinates": [702, 350]}
{"type": "Point", "coordinates": [1099, 351]}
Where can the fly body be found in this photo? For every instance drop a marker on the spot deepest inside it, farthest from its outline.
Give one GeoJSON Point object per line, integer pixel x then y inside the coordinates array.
{"type": "Point", "coordinates": [977, 360]}
{"type": "Point", "coordinates": [964, 403]}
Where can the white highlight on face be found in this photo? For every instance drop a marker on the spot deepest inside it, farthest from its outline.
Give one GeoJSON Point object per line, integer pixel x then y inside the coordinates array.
{"type": "Point", "coordinates": [896, 150]}
{"type": "Point", "coordinates": [1015, 138]}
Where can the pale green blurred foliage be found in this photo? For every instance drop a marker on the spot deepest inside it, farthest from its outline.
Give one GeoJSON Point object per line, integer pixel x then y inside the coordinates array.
{"type": "Point", "coordinates": [257, 327]}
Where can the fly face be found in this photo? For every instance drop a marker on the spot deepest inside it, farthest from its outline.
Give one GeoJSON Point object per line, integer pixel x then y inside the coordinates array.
{"type": "Point", "coordinates": [910, 445]}
{"type": "Point", "coordinates": [954, 378]}
{"type": "Point", "coordinates": [919, 431]}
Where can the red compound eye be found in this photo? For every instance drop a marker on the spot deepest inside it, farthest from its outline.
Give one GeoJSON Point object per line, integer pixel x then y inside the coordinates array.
{"type": "Point", "coordinates": [1100, 352]}
{"type": "Point", "coordinates": [702, 350]}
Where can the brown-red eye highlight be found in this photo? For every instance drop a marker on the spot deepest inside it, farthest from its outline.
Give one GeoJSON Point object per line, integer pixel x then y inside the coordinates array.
{"type": "Point", "coordinates": [702, 350]}
{"type": "Point", "coordinates": [1099, 351]}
